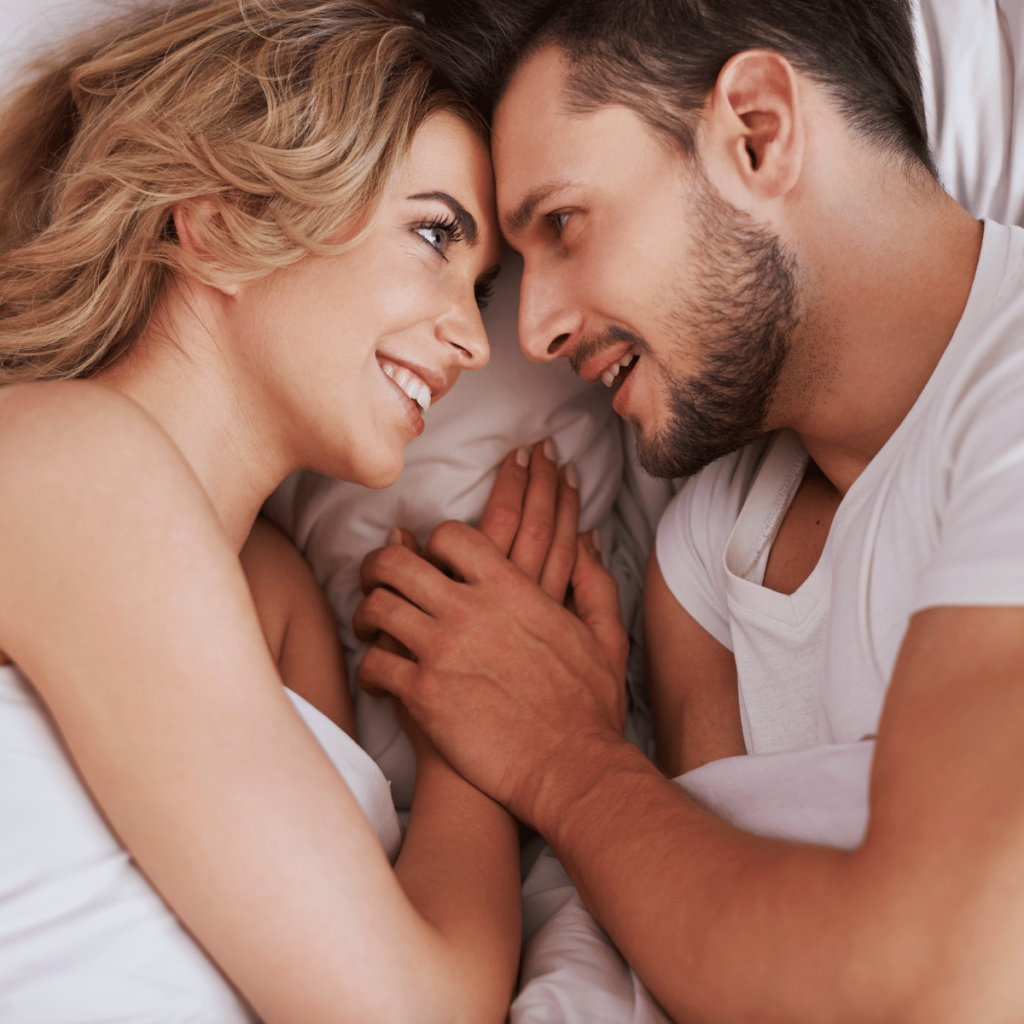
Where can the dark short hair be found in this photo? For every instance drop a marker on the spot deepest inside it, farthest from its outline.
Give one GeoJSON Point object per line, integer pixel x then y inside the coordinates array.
{"type": "Point", "coordinates": [661, 58]}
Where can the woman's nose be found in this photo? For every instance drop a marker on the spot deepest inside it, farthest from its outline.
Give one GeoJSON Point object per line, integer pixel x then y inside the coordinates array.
{"type": "Point", "coordinates": [464, 331]}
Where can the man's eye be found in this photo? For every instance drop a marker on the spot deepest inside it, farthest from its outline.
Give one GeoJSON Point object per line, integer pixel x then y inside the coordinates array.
{"type": "Point", "coordinates": [559, 220]}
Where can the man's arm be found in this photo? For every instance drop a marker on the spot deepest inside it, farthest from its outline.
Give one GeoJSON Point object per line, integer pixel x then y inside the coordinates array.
{"type": "Point", "coordinates": [923, 922]}
{"type": "Point", "coordinates": [692, 678]}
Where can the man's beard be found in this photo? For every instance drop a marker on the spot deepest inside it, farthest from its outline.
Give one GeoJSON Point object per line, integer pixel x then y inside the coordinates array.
{"type": "Point", "coordinates": [742, 313]}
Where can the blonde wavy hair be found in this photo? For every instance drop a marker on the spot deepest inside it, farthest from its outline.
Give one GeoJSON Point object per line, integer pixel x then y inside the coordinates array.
{"type": "Point", "coordinates": [292, 116]}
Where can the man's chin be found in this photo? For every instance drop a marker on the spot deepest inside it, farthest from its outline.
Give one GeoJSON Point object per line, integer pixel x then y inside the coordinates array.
{"type": "Point", "coordinates": [673, 454]}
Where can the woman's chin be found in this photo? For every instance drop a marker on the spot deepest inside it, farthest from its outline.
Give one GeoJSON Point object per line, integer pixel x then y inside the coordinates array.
{"type": "Point", "coordinates": [377, 475]}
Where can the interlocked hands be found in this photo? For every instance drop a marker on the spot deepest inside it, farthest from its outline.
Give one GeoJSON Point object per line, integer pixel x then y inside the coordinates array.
{"type": "Point", "coordinates": [509, 683]}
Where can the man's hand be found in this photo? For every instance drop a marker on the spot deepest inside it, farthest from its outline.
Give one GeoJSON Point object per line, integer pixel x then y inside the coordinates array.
{"type": "Point", "coordinates": [507, 682]}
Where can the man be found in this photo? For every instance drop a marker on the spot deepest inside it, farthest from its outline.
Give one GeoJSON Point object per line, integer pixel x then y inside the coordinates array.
{"type": "Point", "coordinates": [729, 208]}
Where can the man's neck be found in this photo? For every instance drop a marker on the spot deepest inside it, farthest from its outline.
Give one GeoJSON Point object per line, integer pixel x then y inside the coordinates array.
{"type": "Point", "coordinates": [890, 285]}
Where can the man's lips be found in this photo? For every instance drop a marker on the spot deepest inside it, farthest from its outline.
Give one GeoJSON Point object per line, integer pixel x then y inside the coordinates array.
{"type": "Point", "coordinates": [607, 366]}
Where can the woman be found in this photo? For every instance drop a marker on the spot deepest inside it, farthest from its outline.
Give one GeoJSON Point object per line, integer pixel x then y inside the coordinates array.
{"type": "Point", "coordinates": [237, 237]}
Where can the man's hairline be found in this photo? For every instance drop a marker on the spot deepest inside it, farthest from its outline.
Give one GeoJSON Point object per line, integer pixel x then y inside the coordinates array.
{"type": "Point", "coordinates": [583, 107]}
{"type": "Point", "coordinates": [908, 162]}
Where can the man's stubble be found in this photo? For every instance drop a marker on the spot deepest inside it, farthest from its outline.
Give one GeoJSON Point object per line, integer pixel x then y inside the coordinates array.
{"type": "Point", "coordinates": [740, 316]}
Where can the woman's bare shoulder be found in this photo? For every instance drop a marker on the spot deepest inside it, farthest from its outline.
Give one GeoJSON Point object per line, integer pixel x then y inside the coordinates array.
{"type": "Point", "coordinates": [75, 424]}
{"type": "Point", "coordinates": [75, 444]}
{"type": "Point", "coordinates": [91, 485]}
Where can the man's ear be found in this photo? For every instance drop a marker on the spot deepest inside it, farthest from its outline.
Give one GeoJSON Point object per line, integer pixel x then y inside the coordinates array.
{"type": "Point", "coordinates": [195, 223]}
{"type": "Point", "coordinates": [755, 122]}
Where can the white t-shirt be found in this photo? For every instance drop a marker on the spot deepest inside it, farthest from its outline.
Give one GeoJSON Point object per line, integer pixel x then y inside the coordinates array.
{"type": "Point", "coordinates": [936, 518]}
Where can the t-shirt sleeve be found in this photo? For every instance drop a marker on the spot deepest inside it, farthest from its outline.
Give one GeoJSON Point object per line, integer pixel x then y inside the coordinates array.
{"type": "Point", "coordinates": [979, 558]}
{"type": "Point", "coordinates": [691, 543]}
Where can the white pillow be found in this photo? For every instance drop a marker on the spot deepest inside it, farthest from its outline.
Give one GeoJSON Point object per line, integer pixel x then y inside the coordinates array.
{"type": "Point", "coordinates": [448, 474]}
{"type": "Point", "coordinates": [971, 55]}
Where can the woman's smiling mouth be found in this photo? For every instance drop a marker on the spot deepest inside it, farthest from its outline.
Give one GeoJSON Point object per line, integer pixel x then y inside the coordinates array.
{"type": "Point", "coordinates": [411, 385]}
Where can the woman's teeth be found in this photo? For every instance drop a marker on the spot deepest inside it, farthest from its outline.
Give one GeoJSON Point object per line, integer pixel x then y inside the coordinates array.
{"type": "Point", "coordinates": [409, 383]}
{"type": "Point", "coordinates": [612, 372]}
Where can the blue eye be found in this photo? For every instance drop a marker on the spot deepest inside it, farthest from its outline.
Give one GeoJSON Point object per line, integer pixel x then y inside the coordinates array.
{"type": "Point", "coordinates": [434, 236]}
{"type": "Point", "coordinates": [439, 234]}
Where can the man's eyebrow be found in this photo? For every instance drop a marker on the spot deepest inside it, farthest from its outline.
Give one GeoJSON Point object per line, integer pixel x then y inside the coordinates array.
{"type": "Point", "coordinates": [523, 213]}
{"type": "Point", "coordinates": [465, 219]}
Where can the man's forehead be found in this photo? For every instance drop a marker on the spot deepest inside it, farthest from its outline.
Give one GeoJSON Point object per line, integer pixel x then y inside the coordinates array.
{"type": "Point", "coordinates": [538, 144]}
{"type": "Point", "coordinates": [542, 147]}
{"type": "Point", "coordinates": [538, 82]}
{"type": "Point", "coordinates": [532, 110]}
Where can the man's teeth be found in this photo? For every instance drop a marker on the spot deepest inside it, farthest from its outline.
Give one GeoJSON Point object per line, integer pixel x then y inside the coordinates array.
{"type": "Point", "coordinates": [409, 383]}
{"type": "Point", "coordinates": [612, 372]}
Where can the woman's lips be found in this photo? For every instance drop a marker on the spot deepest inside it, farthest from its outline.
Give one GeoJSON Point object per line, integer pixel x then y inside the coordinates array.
{"type": "Point", "coordinates": [409, 383]}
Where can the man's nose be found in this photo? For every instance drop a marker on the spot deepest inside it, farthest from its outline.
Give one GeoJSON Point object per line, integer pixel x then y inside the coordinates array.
{"type": "Point", "coordinates": [549, 321]}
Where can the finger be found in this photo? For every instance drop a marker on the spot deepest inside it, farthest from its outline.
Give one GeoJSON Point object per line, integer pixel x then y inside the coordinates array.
{"type": "Point", "coordinates": [405, 539]}
{"type": "Point", "coordinates": [538, 523]}
{"type": "Point", "coordinates": [466, 552]}
{"type": "Point", "coordinates": [396, 538]}
{"type": "Point", "coordinates": [504, 508]}
{"type": "Point", "coordinates": [386, 642]}
{"type": "Point", "coordinates": [367, 573]}
{"type": "Point", "coordinates": [384, 672]}
{"type": "Point", "coordinates": [409, 574]}
{"type": "Point", "coordinates": [557, 571]}
{"type": "Point", "coordinates": [383, 611]}
{"type": "Point", "coordinates": [596, 597]}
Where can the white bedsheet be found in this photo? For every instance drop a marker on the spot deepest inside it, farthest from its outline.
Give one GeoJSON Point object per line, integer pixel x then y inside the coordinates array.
{"type": "Point", "coordinates": [84, 938]}
{"type": "Point", "coordinates": [572, 973]}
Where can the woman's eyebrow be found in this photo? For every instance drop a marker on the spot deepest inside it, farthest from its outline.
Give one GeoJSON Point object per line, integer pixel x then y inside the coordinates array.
{"type": "Point", "coordinates": [465, 219]}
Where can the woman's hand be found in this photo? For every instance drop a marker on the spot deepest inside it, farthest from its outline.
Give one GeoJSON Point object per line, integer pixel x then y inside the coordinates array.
{"type": "Point", "coordinates": [532, 516]}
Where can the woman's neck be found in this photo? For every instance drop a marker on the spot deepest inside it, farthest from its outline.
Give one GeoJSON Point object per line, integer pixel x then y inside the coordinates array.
{"type": "Point", "coordinates": [182, 373]}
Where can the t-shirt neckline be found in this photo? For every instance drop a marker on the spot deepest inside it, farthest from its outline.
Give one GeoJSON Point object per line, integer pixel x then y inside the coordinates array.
{"type": "Point", "coordinates": [778, 478]}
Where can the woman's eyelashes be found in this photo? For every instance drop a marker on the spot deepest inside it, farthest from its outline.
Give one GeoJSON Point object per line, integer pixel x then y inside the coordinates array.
{"type": "Point", "coordinates": [483, 292]}
{"type": "Point", "coordinates": [439, 233]}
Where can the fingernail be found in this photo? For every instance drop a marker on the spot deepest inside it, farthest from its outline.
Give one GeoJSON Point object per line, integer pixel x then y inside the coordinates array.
{"type": "Point", "coordinates": [522, 457]}
{"type": "Point", "coordinates": [572, 476]}
{"type": "Point", "coordinates": [395, 536]}
{"type": "Point", "coordinates": [549, 450]}
{"type": "Point", "coordinates": [595, 539]}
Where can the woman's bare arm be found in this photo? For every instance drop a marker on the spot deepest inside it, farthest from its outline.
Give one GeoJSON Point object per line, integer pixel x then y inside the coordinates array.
{"type": "Point", "coordinates": [298, 623]}
{"type": "Point", "coordinates": [459, 863]}
{"type": "Point", "coordinates": [124, 603]}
